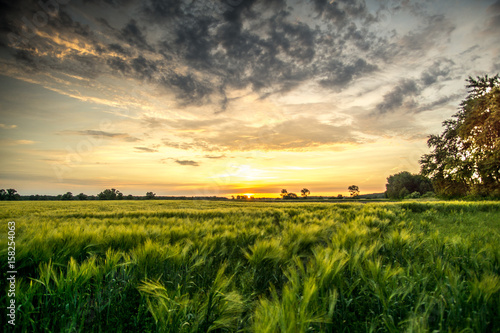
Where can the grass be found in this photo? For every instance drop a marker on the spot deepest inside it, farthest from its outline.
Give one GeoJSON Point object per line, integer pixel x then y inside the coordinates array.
{"type": "Point", "coordinates": [194, 266]}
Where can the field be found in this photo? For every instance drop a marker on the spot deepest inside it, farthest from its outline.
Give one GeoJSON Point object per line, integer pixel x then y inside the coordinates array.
{"type": "Point", "coordinates": [201, 266]}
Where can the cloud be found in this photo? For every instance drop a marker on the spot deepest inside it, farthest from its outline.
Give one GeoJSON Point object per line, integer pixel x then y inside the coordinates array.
{"type": "Point", "coordinates": [439, 102]}
{"type": "Point", "coordinates": [340, 12]}
{"type": "Point", "coordinates": [398, 95]}
{"type": "Point", "coordinates": [216, 157]}
{"type": "Point", "coordinates": [103, 134]}
{"type": "Point", "coordinates": [146, 150]}
{"type": "Point", "coordinates": [10, 142]}
{"type": "Point", "coordinates": [434, 30]}
{"type": "Point", "coordinates": [161, 10]}
{"type": "Point", "coordinates": [132, 34]}
{"type": "Point", "coordinates": [199, 51]}
{"type": "Point", "coordinates": [439, 70]}
{"type": "Point", "coordinates": [341, 74]}
{"type": "Point", "coordinates": [302, 133]}
{"type": "Point", "coordinates": [187, 162]}
{"type": "Point", "coordinates": [4, 126]}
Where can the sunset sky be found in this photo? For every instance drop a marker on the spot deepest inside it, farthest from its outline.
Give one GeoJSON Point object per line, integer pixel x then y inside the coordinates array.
{"type": "Point", "coordinates": [226, 97]}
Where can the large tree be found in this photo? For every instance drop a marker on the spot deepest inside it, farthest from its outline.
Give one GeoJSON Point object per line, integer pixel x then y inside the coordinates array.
{"type": "Point", "coordinates": [465, 158]}
{"type": "Point", "coordinates": [404, 183]}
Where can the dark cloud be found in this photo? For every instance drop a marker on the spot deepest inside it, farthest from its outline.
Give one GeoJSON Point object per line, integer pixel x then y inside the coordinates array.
{"type": "Point", "coordinates": [341, 74]}
{"type": "Point", "coordinates": [439, 70]}
{"type": "Point", "coordinates": [117, 48]}
{"type": "Point", "coordinates": [143, 67]}
{"type": "Point", "coordinates": [187, 162]}
{"type": "Point", "coordinates": [223, 47]}
{"type": "Point", "coordinates": [146, 150]}
{"type": "Point", "coordinates": [133, 35]}
{"type": "Point", "coordinates": [161, 10]}
{"type": "Point", "coordinates": [118, 64]}
{"type": "Point", "coordinates": [188, 88]}
{"type": "Point", "coordinates": [113, 3]}
{"type": "Point", "coordinates": [341, 11]}
{"type": "Point", "coordinates": [399, 95]}
{"type": "Point", "coordinates": [194, 43]}
{"type": "Point", "coordinates": [104, 134]}
{"type": "Point", "coordinates": [201, 50]}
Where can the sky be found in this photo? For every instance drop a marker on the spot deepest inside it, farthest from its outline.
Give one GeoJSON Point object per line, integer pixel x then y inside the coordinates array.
{"type": "Point", "coordinates": [228, 97]}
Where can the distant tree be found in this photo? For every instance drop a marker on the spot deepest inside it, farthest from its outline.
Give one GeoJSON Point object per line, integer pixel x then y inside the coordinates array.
{"type": "Point", "coordinates": [110, 194]}
{"type": "Point", "coordinates": [284, 193]}
{"type": "Point", "coordinates": [67, 196]}
{"type": "Point", "coordinates": [340, 196]}
{"type": "Point", "coordinates": [150, 195]}
{"type": "Point", "coordinates": [465, 158]}
{"type": "Point", "coordinates": [130, 197]}
{"type": "Point", "coordinates": [304, 192]}
{"type": "Point", "coordinates": [9, 194]}
{"type": "Point", "coordinates": [82, 196]}
{"type": "Point", "coordinates": [353, 190]}
{"type": "Point", "coordinates": [404, 183]}
{"type": "Point", "coordinates": [290, 195]}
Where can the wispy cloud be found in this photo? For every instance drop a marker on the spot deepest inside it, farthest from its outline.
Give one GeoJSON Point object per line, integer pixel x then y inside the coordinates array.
{"type": "Point", "coordinates": [103, 134]}
{"type": "Point", "coordinates": [10, 142]}
{"type": "Point", "coordinates": [146, 150]}
{"type": "Point", "coordinates": [4, 126]}
{"type": "Point", "coordinates": [187, 162]}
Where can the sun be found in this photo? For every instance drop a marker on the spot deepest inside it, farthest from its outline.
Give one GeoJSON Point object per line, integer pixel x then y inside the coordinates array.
{"type": "Point", "coordinates": [248, 195]}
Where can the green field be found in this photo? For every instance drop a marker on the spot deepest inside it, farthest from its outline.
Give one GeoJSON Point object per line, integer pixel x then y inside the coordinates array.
{"type": "Point", "coordinates": [202, 266]}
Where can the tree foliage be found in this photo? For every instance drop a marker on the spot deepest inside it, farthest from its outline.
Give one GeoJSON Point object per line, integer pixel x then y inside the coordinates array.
{"type": "Point", "coordinates": [305, 192]}
{"type": "Point", "coordinates": [465, 158]}
{"type": "Point", "coordinates": [110, 194]}
{"type": "Point", "coordinates": [405, 184]}
{"type": "Point", "coordinates": [353, 190]}
{"type": "Point", "coordinates": [9, 194]}
{"type": "Point", "coordinates": [290, 195]}
{"type": "Point", "coordinates": [67, 196]}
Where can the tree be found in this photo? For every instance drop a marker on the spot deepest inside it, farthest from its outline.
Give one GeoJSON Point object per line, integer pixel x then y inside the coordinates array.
{"type": "Point", "coordinates": [10, 194]}
{"type": "Point", "coordinates": [284, 193]}
{"type": "Point", "coordinates": [465, 158]}
{"type": "Point", "coordinates": [82, 196]}
{"type": "Point", "coordinates": [353, 190]}
{"type": "Point", "coordinates": [290, 196]}
{"type": "Point", "coordinates": [110, 194]}
{"type": "Point", "coordinates": [150, 195]}
{"type": "Point", "coordinates": [305, 192]}
{"type": "Point", "coordinates": [67, 196]}
{"type": "Point", "coordinates": [404, 183]}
